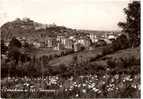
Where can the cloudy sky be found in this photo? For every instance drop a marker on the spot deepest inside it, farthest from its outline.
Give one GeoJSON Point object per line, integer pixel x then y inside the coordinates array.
{"type": "Point", "coordinates": [78, 14]}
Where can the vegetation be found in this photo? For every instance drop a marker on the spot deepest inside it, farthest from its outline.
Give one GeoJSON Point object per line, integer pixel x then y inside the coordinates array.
{"type": "Point", "coordinates": [106, 72]}
{"type": "Point", "coordinates": [28, 28]}
{"type": "Point", "coordinates": [120, 43]}
{"type": "Point", "coordinates": [132, 25]}
{"type": "Point", "coordinates": [4, 48]}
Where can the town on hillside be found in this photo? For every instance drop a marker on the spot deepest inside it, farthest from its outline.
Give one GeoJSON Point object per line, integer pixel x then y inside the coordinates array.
{"type": "Point", "coordinates": [74, 42]}
{"type": "Point", "coordinates": [93, 60]}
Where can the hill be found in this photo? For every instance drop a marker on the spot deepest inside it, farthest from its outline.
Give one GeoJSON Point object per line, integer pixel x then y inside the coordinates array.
{"type": "Point", "coordinates": [30, 29]}
{"type": "Point", "coordinates": [96, 56]}
{"type": "Point", "coordinates": [35, 31]}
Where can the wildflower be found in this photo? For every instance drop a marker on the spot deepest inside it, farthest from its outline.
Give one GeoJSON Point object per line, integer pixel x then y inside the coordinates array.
{"type": "Point", "coordinates": [89, 86]}
{"type": "Point", "coordinates": [130, 79]}
{"type": "Point", "coordinates": [76, 95]}
{"type": "Point", "coordinates": [95, 89]}
{"type": "Point", "coordinates": [134, 86]}
{"type": "Point", "coordinates": [99, 91]}
{"type": "Point", "coordinates": [83, 85]}
{"type": "Point", "coordinates": [60, 86]}
{"type": "Point", "coordinates": [117, 88]}
{"type": "Point", "coordinates": [103, 82]}
{"type": "Point", "coordinates": [26, 84]}
{"type": "Point", "coordinates": [112, 80]}
{"type": "Point", "coordinates": [116, 76]}
{"type": "Point", "coordinates": [81, 76]}
{"type": "Point", "coordinates": [84, 91]}
{"type": "Point", "coordinates": [104, 76]}
{"type": "Point", "coordinates": [66, 89]}
{"type": "Point", "coordinates": [70, 89]}
{"type": "Point", "coordinates": [71, 78]}
{"type": "Point", "coordinates": [123, 80]}
{"type": "Point", "coordinates": [74, 83]}
{"type": "Point", "coordinates": [79, 85]}
{"type": "Point", "coordinates": [107, 69]}
{"type": "Point", "coordinates": [90, 81]}
{"type": "Point", "coordinates": [9, 78]}
{"type": "Point", "coordinates": [127, 78]}
{"type": "Point", "coordinates": [92, 77]}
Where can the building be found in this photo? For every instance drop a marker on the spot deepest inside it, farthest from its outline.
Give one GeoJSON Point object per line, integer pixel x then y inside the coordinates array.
{"type": "Point", "coordinates": [49, 42]}
{"type": "Point", "coordinates": [36, 44]}
{"type": "Point", "coordinates": [77, 46]}
{"type": "Point", "coordinates": [93, 37]}
{"type": "Point", "coordinates": [85, 41]}
{"type": "Point", "coordinates": [111, 36]}
{"type": "Point", "coordinates": [59, 46]}
{"type": "Point", "coordinates": [59, 37]}
{"type": "Point", "coordinates": [69, 44]}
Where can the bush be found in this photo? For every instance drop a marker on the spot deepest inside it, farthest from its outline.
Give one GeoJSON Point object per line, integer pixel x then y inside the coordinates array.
{"type": "Point", "coordinates": [4, 48]}
{"type": "Point", "coordinates": [15, 43]}
{"type": "Point", "coordinates": [120, 43]}
{"type": "Point", "coordinates": [100, 43]}
{"type": "Point", "coordinates": [107, 50]}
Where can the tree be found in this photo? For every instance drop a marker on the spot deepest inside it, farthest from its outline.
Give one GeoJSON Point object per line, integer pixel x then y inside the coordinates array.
{"type": "Point", "coordinates": [14, 52]}
{"type": "Point", "coordinates": [15, 43]}
{"type": "Point", "coordinates": [132, 25]}
{"type": "Point", "coordinates": [3, 47]}
{"type": "Point", "coordinates": [120, 43]}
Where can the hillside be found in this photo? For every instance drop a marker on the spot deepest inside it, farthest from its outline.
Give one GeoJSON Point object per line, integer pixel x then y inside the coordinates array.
{"type": "Point", "coordinates": [96, 56]}
{"type": "Point", "coordinates": [33, 30]}
{"type": "Point", "coordinates": [125, 54]}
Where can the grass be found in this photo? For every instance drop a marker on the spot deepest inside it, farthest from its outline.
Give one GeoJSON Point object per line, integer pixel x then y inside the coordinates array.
{"type": "Point", "coordinates": [121, 88]}
{"type": "Point", "coordinates": [126, 53]}
{"type": "Point", "coordinates": [44, 51]}
{"type": "Point", "coordinates": [127, 60]}
{"type": "Point", "coordinates": [82, 56]}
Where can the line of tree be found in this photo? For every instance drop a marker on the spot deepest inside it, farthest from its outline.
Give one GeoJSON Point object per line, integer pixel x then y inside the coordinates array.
{"type": "Point", "coordinates": [132, 25]}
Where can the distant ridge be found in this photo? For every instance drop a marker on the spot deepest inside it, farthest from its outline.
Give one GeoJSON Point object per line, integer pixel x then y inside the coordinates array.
{"type": "Point", "coordinates": [34, 30]}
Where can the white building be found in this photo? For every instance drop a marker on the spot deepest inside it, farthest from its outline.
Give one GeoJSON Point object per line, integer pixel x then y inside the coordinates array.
{"type": "Point", "coordinates": [69, 44]}
{"type": "Point", "coordinates": [36, 44]}
{"type": "Point", "coordinates": [49, 42]}
{"type": "Point", "coordinates": [86, 42]}
{"type": "Point", "coordinates": [111, 37]}
{"type": "Point", "coordinates": [93, 37]}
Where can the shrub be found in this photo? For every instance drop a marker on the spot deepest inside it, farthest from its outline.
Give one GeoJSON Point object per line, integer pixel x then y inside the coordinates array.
{"type": "Point", "coordinates": [107, 49]}
{"type": "Point", "coordinates": [15, 43]}
{"type": "Point", "coordinates": [120, 43]}
{"type": "Point", "coordinates": [111, 63]}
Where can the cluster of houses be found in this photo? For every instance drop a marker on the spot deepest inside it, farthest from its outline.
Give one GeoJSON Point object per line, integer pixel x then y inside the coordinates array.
{"type": "Point", "coordinates": [69, 42]}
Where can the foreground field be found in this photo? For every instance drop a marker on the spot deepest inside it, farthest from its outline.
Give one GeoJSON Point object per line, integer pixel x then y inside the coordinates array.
{"type": "Point", "coordinates": [114, 75]}
{"type": "Point", "coordinates": [117, 86]}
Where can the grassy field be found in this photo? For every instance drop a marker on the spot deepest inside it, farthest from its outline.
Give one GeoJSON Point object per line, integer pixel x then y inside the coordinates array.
{"type": "Point", "coordinates": [125, 55]}
{"type": "Point", "coordinates": [85, 55]}
{"type": "Point", "coordinates": [44, 51]}
{"type": "Point", "coordinates": [106, 85]}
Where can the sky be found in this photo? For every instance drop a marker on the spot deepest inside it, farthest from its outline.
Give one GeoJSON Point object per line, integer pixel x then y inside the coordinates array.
{"type": "Point", "coordinates": [77, 14]}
